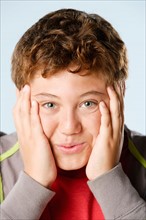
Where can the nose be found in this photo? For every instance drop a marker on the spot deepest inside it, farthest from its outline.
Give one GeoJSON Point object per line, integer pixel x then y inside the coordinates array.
{"type": "Point", "coordinates": [70, 123]}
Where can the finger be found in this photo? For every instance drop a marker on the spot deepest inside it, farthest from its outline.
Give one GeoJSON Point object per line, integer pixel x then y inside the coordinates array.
{"type": "Point", "coordinates": [115, 112]}
{"type": "Point", "coordinates": [120, 88]}
{"type": "Point", "coordinates": [22, 112]}
{"type": "Point", "coordinates": [25, 108]}
{"type": "Point", "coordinates": [16, 109]}
{"type": "Point", "coordinates": [19, 96]}
{"type": "Point", "coordinates": [105, 127]}
{"type": "Point", "coordinates": [35, 119]}
{"type": "Point", "coordinates": [25, 101]}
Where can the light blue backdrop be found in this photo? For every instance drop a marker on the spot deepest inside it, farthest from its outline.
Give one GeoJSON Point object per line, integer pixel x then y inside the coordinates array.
{"type": "Point", "coordinates": [128, 17]}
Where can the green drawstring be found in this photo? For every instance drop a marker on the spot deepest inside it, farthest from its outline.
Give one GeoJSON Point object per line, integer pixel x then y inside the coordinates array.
{"type": "Point", "coordinates": [9, 152]}
{"type": "Point", "coordinates": [4, 156]}
{"type": "Point", "coordinates": [136, 153]}
{"type": "Point", "coordinates": [1, 190]}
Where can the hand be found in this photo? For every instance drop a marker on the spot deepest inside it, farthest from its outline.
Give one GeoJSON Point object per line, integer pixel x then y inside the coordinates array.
{"type": "Point", "coordinates": [35, 149]}
{"type": "Point", "coordinates": [108, 145]}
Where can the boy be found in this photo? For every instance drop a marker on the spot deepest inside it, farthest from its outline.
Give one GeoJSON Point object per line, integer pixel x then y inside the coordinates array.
{"type": "Point", "coordinates": [70, 69]}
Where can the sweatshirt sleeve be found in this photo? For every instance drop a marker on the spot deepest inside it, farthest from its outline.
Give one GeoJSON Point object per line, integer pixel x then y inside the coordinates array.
{"type": "Point", "coordinates": [117, 197]}
{"type": "Point", "coordinates": [26, 200]}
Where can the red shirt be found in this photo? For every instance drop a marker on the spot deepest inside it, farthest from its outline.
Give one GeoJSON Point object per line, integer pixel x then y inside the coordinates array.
{"type": "Point", "coordinates": [73, 199]}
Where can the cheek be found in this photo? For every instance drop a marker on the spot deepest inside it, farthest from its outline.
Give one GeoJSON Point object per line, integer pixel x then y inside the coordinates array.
{"type": "Point", "coordinates": [48, 124]}
{"type": "Point", "coordinates": [96, 125]}
{"type": "Point", "coordinates": [93, 125]}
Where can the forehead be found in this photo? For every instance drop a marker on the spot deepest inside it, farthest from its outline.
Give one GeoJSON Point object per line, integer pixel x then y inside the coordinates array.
{"type": "Point", "coordinates": [65, 80]}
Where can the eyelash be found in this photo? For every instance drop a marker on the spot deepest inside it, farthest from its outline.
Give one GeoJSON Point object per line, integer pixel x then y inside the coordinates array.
{"type": "Point", "coordinates": [92, 104]}
{"type": "Point", "coordinates": [45, 105]}
{"type": "Point", "coordinates": [89, 104]}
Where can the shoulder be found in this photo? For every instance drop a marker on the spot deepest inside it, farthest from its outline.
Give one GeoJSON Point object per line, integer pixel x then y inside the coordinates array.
{"type": "Point", "coordinates": [11, 162]}
{"type": "Point", "coordinates": [133, 159]}
{"type": "Point", "coordinates": [7, 141]}
{"type": "Point", "coordinates": [138, 139]}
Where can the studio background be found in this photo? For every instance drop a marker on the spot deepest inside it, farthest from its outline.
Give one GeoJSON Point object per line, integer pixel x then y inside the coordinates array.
{"type": "Point", "coordinates": [128, 18]}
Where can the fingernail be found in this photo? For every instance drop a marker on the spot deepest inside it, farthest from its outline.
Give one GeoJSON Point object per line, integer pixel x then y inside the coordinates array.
{"type": "Point", "coordinates": [25, 88]}
{"type": "Point", "coordinates": [102, 104]}
{"type": "Point", "coordinates": [111, 87]}
{"type": "Point", "coordinates": [33, 103]}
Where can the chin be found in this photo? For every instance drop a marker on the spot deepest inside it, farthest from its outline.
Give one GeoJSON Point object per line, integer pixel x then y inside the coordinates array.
{"type": "Point", "coordinates": [71, 165]}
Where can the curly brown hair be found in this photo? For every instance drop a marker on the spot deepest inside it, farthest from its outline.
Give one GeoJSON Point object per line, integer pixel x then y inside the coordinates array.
{"type": "Point", "coordinates": [67, 38]}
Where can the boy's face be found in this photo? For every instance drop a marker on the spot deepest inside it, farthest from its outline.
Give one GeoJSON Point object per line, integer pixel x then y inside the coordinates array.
{"type": "Point", "coordinates": [70, 116]}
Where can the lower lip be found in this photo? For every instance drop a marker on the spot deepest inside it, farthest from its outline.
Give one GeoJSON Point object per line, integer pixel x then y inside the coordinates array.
{"type": "Point", "coordinates": [73, 149]}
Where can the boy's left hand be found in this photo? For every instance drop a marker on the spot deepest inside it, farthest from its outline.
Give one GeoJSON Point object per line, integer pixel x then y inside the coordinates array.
{"type": "Point", "coordinates": [108, 145]}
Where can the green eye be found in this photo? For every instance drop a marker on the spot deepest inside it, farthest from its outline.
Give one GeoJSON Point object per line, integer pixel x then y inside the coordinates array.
{"type": "Point", "coordinates": [89, 104]}
{"type": "Point", "coordinates": [49, 105]}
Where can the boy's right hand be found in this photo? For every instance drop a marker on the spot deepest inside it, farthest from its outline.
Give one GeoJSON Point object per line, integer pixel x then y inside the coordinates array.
{"type": "Point", "coordinates": [35, 149]}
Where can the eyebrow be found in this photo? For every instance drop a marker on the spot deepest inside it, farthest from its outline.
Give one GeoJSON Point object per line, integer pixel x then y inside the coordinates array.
{"type": "Point", "coordinates": [48, 95]}
{"type": "Point", "coordinates": [92, 92]}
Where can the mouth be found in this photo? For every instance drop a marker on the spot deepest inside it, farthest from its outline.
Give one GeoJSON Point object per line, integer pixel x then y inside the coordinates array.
{"type": "Point", "coordinates": [71, 148]}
